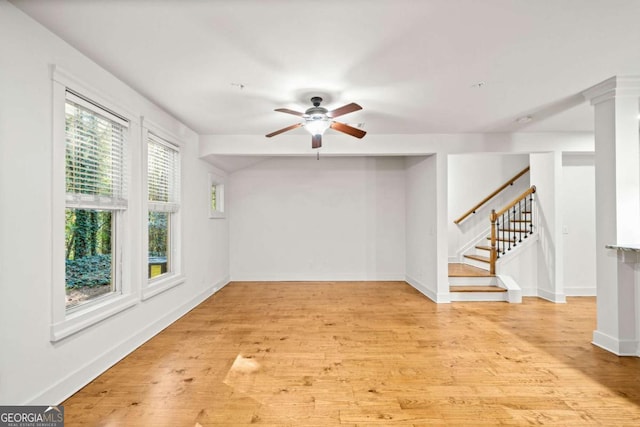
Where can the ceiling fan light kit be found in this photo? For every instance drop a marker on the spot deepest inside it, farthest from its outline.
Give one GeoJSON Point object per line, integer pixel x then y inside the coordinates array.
{"type": "Point", "coordinates": [318, 119]}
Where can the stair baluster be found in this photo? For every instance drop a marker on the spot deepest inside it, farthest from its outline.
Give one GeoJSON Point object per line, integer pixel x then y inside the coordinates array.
{"type": "Point", "coordinates": [531, 210]}
{"type": "Point", "coordinates": [508, 228]}
{"type": "Point", "coordinates": [493, 252]}
{"type": "Point", "coordinates": [506, 225]}
{"type": "Point", "coordinates": [513, 227]}
{"type": "Point", "coordinates": [520, 220]}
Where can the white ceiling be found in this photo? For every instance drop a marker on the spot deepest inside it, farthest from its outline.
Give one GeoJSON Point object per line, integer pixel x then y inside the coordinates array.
{"type": "Point", "coordinates": [411, 64]}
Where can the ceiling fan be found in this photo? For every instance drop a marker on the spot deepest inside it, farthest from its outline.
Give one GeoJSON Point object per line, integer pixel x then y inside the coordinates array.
{"type": "Point", "coordinates": [317, 119]}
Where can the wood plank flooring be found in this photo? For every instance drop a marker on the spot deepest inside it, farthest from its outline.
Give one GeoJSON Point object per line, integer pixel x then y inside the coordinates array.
{"type": "Point", "coordinates": [366, 354]}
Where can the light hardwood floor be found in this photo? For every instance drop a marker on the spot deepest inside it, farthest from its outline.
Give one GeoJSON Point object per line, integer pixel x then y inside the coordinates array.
{"type": "Point", "coordinates": [366, 353]}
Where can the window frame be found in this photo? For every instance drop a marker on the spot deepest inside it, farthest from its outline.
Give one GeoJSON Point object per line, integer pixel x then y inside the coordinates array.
{"type": "Point", "coordinates": [156, 285]}
{"type": "Point", "coordinates": [65, 322]}
{"type": "Point", "coordinates": [218, 183]}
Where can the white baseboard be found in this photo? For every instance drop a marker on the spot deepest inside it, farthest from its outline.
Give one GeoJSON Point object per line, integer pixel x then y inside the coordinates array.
{"type": "Point", "coordinates": [580, 292]}
{"type": "Point", "coordinates": [424, 290]}
{"type": "Point", "coordinates": [552, 296]}
{"type": "Point", "coordinates": [306, 277]}
{"type": "Point", "coordinates": [614, 345]}
{"type": "Point", "coordinates": [73, 382]}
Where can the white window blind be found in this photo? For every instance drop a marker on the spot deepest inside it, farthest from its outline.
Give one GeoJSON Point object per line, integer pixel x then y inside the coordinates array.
{"type": "Point", "coordinates": [163, 165]}
{"type": "Point", "coordinates": [95, 155]}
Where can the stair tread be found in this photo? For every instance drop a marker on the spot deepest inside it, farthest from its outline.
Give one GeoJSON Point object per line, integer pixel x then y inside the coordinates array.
{"type": "Point", "coordinates": [475, 288]}
{"type": "Point", "coordinates": [503, 240]}
{"type": "Point", "coordinates": [483, 248]}
{"type": "Point", "coordinates": [513, 230]}
{"type": "Point", "coordinates": [520, 220]}
{"type": "Point", "coordinates": [478, 258]}
{"type": "Point", "coordinates": [466, 270]}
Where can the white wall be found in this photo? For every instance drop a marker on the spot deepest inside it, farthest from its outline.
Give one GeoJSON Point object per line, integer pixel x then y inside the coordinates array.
{"type": "Point", "coordinates": [546, 175]}
{"type": "Point", "coordinates": [422, 224]}
{"type": "Point", "coordinates": [471, 178]}
{"type": "Point", "coordinates": [579, 224]}
{"type": "Point", "coordinates": [33, 369]}
{"type": "Point", "coordinates": [337, 218]}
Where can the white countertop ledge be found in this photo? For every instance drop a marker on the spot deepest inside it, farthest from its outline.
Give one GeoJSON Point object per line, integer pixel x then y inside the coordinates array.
{"type": "Point", "coordinates": [626, 247]}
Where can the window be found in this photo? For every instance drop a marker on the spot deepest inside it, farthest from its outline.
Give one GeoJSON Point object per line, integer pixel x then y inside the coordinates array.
{"type": "Point", "coordinates": [163, 183]}
{"type": "Point", "coordinates": [95, 186]}
{"type": "Point", "coordinates": [216, 197]}
{"type": "Point", "coordinates": [91, 267]}
{"type": "Point", "coordinates": [162, 256]}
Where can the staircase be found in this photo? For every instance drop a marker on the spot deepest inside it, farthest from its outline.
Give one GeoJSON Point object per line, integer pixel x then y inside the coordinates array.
{"type": "Point", "coordinates": [509, 227]}
{"type": "Point", "coordinates": [469, 283]}
{"type": "Point", "coordinates": [476, 279]}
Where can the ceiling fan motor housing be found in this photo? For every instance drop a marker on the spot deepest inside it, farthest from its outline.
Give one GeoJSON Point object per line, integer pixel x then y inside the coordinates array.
{"type": "Point", "coordinates": [316, 112]}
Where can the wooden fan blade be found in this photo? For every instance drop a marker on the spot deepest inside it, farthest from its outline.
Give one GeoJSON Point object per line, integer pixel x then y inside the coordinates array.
{"type": "Point", "coordinates": [316, 141]}
{"type": "Point", "coordinates": [350, 130]}
{"type": "Point", "coordinates": [288, 128]}
{"type": "Point", "coordinates": [286, 110]}
{"type": "Point", "coordinates": [349, 108]}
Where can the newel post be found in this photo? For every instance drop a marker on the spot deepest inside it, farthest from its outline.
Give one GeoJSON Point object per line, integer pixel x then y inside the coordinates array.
{"type": "Point", "coordinates": [493, 252]}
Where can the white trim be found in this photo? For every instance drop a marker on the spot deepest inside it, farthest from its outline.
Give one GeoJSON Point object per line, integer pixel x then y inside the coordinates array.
{"type": "Point", "coordinates": [86, 316]}
{"type": "Point", "coordinates": [424, 290]}
{"type": "Point", "coordinates": [615, 86]}
{"type": "Point", "coordinates": [318, 277]}
{"type": "Point", "coordinates": [529, 292]}
{"type": "Point", "coordinates": [76, 98]}
{"type": "Point", "coordinates": [69, 81]}
{"type": "Point", "coordinates": [580, 292]}
{"type": "Point", "coordinates": [614, 345]}
{"type": "Point", "coordinates": [62, 389]}
{"type": "Point", "coordinates": [162, 135]}
{"type": "Point", "coordinates": [160, 284]}
{"type": "Point", "coordinates": [551, 296]}
{"type": "Point", "coordinates": [514, 293]}
{"type": "Point", "coordinates": [67, 322]}
{"type": "Point", "coordinates": [478, 239]}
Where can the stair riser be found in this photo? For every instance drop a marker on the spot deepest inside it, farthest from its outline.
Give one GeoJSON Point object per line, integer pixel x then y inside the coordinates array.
{"type": "Point", "coordinates": [478, 296]}
{"type": "Point", "coordinates": [479, 264]}
{"type": "Point", "coordinates": [471, 281]}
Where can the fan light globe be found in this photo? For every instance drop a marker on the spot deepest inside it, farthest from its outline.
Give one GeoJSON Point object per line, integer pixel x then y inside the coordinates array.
{"type": "Point", "coordinates": [317, 126]}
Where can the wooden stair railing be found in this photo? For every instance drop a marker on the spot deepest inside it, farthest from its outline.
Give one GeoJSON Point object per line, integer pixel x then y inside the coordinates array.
{"type": "Point", "coordinates": [510, 225]}
{"type": "Point", "coordinates": [492, 195]}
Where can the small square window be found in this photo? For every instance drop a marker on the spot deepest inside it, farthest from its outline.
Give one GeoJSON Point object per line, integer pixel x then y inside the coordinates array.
{"type": "Point", "coordinates": [216, 198]}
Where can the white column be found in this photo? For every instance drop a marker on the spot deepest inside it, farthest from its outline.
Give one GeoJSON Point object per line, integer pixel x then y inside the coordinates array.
{"type": "Point", "coordinates": [442, 228]}
{"type": "Point", "coordinates": [546, 175]}
{"type": "Point", "coordinates": [617, 169]}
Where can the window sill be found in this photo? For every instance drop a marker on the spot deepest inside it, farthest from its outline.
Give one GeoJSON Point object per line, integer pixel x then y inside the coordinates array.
{"type": "Point", "coordinates": [82, 318]}
{"type": "Point", "coordinates": [158, 286]}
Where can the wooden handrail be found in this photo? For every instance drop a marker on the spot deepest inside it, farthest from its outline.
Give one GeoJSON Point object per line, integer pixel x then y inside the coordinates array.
{"type": "Point", "coordinates": [492, 195]}
{"type": "Point", "coordinates": [493, 218]}
{"type": "Point", "coordinates": [516, 200]}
